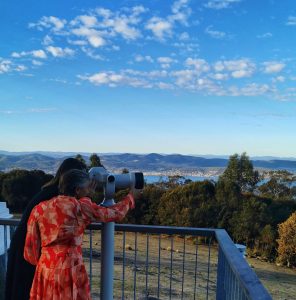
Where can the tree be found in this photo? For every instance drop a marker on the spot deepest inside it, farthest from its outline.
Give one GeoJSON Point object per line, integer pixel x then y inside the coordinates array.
{"type": "Point", "coordinates": [19, 186]}
{"type": "Point", "coordinates": [124, 171]}
{"type": "Point", "coordinates": [267, 242]}
{"type": "Point", "coordinates": [241, 172]}
{"type": "Point", "coordinates": [189, 205]}
{"type": "Point", "coordinates": [95, 161]}
{"type": "Point", "coordinates": [279, 186]}
{"type": "Point", "coordinates": [146, 208]}
{"type": "Point", "coordinates": [287, 242]}
{"type": "Point", "coordinates": [80, 158]}
{"type": "Point", "coordinates": [248, 222]}
{"type": "Point", "coordinates": [229, 200]}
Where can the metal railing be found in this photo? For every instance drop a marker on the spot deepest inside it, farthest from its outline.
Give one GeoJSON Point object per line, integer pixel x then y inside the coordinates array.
{"type": "Point", "coordinates": [159, 262]}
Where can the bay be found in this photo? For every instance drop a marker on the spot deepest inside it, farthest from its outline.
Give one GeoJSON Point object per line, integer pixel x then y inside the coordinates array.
{"type": "Point", "coordinates": [157, 178]}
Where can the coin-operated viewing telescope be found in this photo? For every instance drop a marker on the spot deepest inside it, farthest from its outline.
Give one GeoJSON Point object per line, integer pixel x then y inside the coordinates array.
{"type": "Point", "coordinates": [110, 182]}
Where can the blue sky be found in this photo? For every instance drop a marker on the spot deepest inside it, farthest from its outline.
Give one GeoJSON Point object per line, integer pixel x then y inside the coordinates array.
{"type": "Point", "coordinates": [191, 77]}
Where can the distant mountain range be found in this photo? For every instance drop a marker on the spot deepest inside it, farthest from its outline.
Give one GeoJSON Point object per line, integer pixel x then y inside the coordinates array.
{"type": "Point", "coordinates": [149, 163]}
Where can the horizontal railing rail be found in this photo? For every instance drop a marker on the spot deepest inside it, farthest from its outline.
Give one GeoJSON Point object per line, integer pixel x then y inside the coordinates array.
{"type": "Point", "coordinates": [166, 262]}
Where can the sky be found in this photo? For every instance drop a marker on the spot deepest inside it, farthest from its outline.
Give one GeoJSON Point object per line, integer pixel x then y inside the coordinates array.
{"type": "Point", "coordinates": [186, 76]}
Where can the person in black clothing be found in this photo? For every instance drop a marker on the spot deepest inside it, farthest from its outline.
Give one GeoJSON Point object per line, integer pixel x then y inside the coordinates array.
{"type": "Point", "coordinates": [20, 273]}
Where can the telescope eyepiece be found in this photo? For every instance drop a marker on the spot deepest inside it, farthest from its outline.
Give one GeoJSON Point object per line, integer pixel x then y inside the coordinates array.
{"type": "Point", "coordinates": [111, 178]}
{"type": "Point", "coordinates": [139, 180]}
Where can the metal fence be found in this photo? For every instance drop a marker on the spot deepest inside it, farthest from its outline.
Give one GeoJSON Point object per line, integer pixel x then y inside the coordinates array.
{"type": "Point", "coordinates": [159, 262]}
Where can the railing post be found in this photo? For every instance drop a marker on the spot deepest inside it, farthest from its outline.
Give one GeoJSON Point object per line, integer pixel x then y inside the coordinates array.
{"type": "Point", "coordinates": [107, 260]}
{"type": "Point", "coordinates": [220, 292]}
{"type": "Point", "coordinates": [4, 244]}
{"type": "Point", "coordinates": [107, 245]}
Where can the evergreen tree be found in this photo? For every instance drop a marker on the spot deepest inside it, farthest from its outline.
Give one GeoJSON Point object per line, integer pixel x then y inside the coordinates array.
{"type": "Point", "coordinates": [80, 158]}
{"type": "Point", "coordinates": [241, 172]}
{"type": "Point", "coordinates": [95, 161]}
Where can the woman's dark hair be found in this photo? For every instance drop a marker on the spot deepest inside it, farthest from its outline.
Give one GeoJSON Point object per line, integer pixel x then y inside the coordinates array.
{"type": "Point", "coordinates": [71, 180]}
{"type": "Point", "coordinates": [66, 165]}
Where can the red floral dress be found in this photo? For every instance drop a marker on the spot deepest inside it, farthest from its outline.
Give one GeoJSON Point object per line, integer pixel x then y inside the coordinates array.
{"type": "Point", "coordinates": [53, 243]}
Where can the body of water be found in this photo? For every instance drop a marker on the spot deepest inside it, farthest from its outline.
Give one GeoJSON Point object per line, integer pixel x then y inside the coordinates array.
{"type": "Point", "coordinates": [157, 178]}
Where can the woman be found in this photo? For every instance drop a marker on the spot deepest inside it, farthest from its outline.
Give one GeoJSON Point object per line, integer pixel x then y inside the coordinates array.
{"type": "Point", "coordinates": [55, 235]}
{"type": "Point", "coordinates": [20, 273]}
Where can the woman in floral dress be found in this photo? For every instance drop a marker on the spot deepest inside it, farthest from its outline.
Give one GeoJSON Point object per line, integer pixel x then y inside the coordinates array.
{"type": "Point", "coordinates": [55, 234]}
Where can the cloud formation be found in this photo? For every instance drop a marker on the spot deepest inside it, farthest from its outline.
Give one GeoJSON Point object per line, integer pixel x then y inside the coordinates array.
{"type": "Point", "coordinates": [60, 52]}
{"type": "Point", "coordinates": [197, 75]}
{"type": "Point", "coordinates": [165, 48]}
{"type": "Point", "coordinates": [215, 33]}
{"type": "Point", "coordinates": [291, 21]}
{"type": "Point", "coordinates": [273, 67]}
{"type": "Point", "coordinates": [220, 4]}
{"type": "Point", "coordinates": [53, 23]}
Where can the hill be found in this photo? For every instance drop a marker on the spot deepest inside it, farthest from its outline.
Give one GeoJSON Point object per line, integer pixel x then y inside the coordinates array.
{"type": "Point", "coordinates": [153, 162]}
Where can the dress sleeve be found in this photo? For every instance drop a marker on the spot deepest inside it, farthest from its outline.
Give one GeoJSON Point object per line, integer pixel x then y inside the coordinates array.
{"type": "Point", "coordinates": [33, 241]}
{"type": "Point", "coordinates": [93, 212]}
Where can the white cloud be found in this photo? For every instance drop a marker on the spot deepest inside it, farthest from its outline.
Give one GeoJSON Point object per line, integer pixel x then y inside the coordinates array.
{"type": "Point", "coordinates": [140, 58]}
{"type": "Point", "coordinates": [273, 67]}
{"type": "Point", "coordinates": [242, 73]}
{"type": "Point", "coordinates": [200, 65]}
{"type": "Point", "coordinates": [53, 23]}
{"type": "Point", "coordinates": [37, 62]}
{"type": "Point", "coordinates": [291, 21]}
{"type": "Point", "coordinates": [77, 42]}
{"type": "Point", "coordinates": [113, 79]}
{"type": "Point", "coordinates": [39, 54]}
{"type": "Point", "coordinates": [180, 12]}
{"type": "Point", "coordinates": [279, 79]}
{"type": "Point", "coordinates": [220, 4]}
{"type": "Point", "coordinates": [90, 53]}
{"type": "Point", "coordinates": [93, 36]}
{"type": "Point", "coordinates": [123, 24]}
{"type": "Point", "coordinates": [161, 28]}
{"type": "Point", "coordinates": [252, 89]}
{"type": "Point", "coordinates": [88, 21]}
{"type": "Point", "coordinates": [5, 66]}
{"type": "Point", "coordinates": [264, 35]}
{"type": "Point", "coordinates": [165, 61]}
{"type": "Point", "coordinates": [238, 68]}
{"type": "Point", "coordinates": [215, 33]}
{"type": "Point", "coordinates": [219, 66]}
{"type": "Point", "coordinates": [96, 41]}
{"type": "Point", "coordinates": [165, 86]}
{"type": "Point", "coordinates": [35, 53]}
{"type": "Point", "coordinates": [219, 76]}
{"type": "Point", "coordinates": [47, 40]}
{"type": "Point", "coordinates": [20, 68]}
{"type": "Point", "coordinates": [16, 55]}
{"type": "Point", "coordinates": [60, 52]}
{"type": "Point", "coordinates": [184, 36]}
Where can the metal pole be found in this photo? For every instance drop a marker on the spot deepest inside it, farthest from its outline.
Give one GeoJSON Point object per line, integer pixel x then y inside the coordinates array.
{"type": "Point", "coordinates": [107, 245]}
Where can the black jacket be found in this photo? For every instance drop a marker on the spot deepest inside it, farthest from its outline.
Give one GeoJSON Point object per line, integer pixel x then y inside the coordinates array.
{"type": "Point", "coordinates": [20, 273]}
